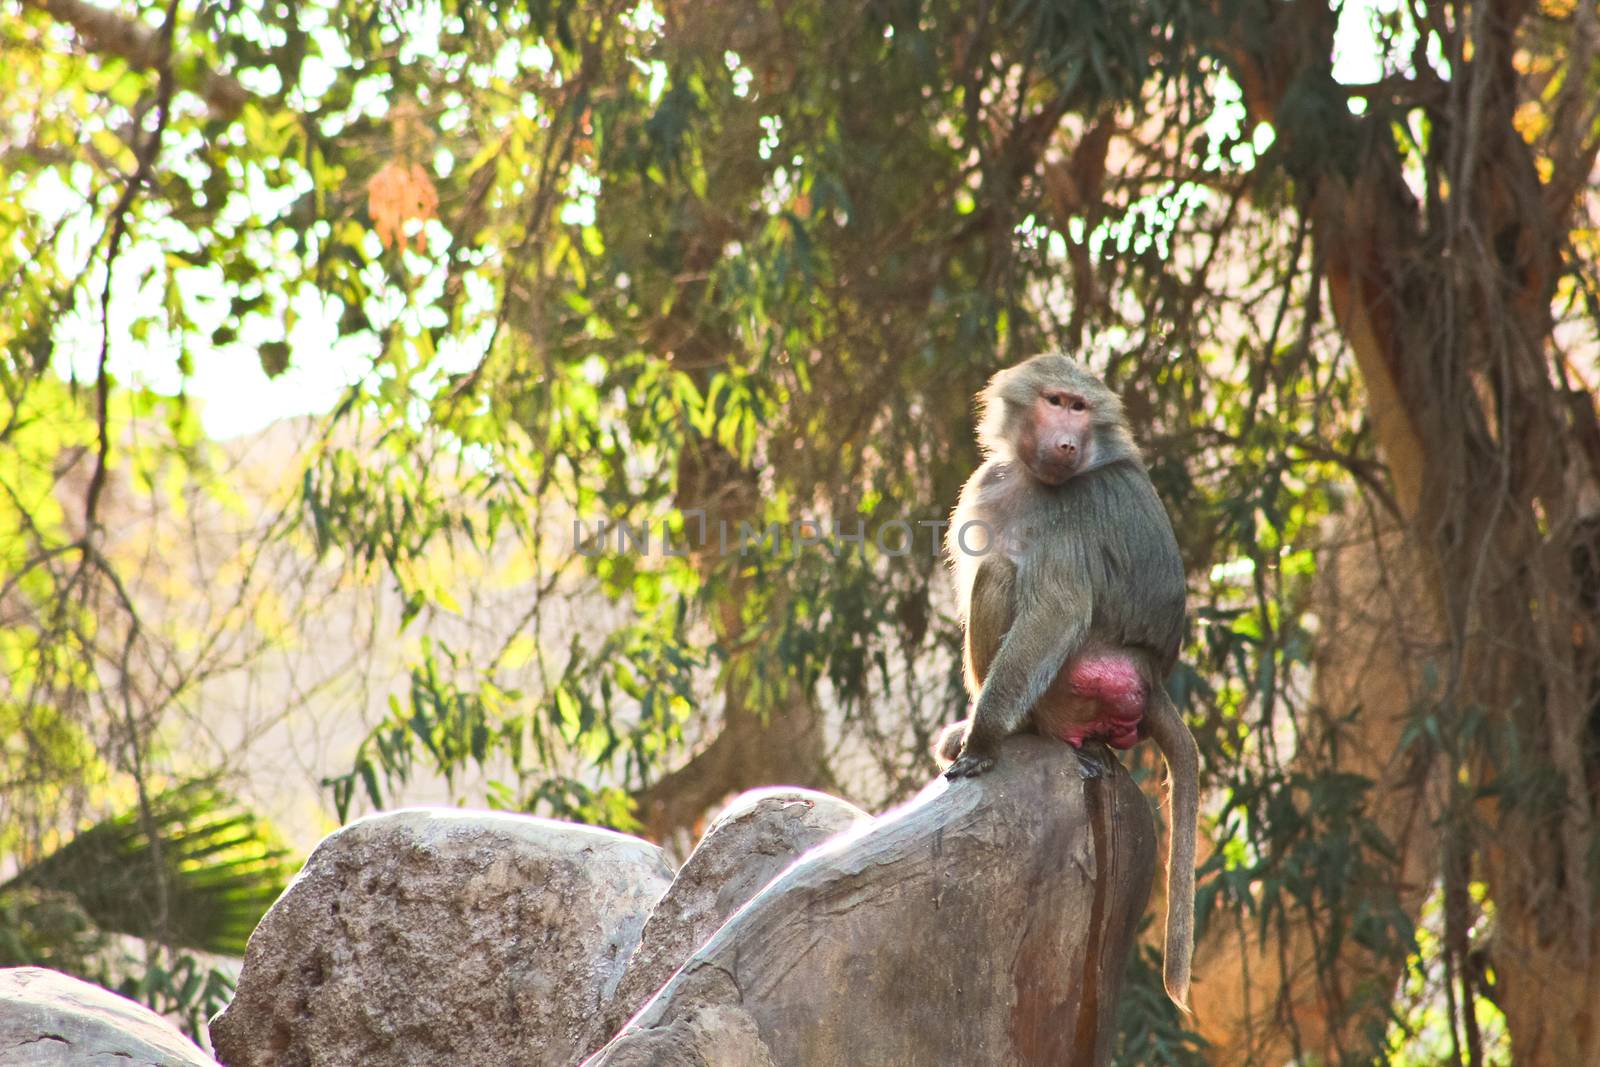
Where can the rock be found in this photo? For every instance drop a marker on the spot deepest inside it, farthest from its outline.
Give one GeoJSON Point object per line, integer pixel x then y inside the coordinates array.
{"type": "Point", "coordinates": [987, 922]}
{"type": "Point", "coordinates": [439, 936]}
{"type": "Point", "coordinates": [49, 1019]}
{"type": "Point", "coordinates": [751, 842]}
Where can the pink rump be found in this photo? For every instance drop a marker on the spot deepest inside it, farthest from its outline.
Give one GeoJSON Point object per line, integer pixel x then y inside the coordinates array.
{"type": "Point", "coordinates": [1115, 687]}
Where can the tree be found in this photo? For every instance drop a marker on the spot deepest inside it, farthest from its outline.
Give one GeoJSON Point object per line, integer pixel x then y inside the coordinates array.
{"type": "Point", "coordinates": [1448, 293]}
{"type": "Point", "coordinates": [721, 268]}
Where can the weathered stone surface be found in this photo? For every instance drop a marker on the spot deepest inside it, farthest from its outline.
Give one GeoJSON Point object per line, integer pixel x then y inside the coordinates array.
{"type": "Point", "coordinates": [987, 922]}
{"type": "Point", "coordinates": [49, 1019]}
{"type": "Point", "coordinates": [750, 843]}
{"type": "Point", "coordinates": [436, 936]}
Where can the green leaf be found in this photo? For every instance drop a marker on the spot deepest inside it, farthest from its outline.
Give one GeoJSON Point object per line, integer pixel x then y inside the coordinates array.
{"type": "Point", "coordinates": [198, 873]}
{"type": "Point", "coordinates": [274, 356]}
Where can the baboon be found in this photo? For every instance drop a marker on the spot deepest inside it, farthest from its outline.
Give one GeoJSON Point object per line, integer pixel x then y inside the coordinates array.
{"type": "Point", "coordinates": [1072, 595]}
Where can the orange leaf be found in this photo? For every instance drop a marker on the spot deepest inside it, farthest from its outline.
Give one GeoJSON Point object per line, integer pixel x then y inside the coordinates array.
{"type": "Point", "coordinates": [398, 193]}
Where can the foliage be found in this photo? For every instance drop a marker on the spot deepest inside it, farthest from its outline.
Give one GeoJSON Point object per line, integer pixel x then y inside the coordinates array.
{"type": "Point", "coordinates": [1150, 1030]}
{"type": "Point", "coordinates": [50, 929]}
{"type": "Point", "coordinates": [187, 989]}
{"type": "Point", "coordinates": [191, 870]}
{"type": "Point", "coordinates": [708, 269]}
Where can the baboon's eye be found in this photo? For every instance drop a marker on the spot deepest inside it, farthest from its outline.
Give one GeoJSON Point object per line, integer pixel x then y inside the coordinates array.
{"type": "Point", "coordinates": [1078, 404]}
{"type": "Point", "coordinates": [1055, 400]}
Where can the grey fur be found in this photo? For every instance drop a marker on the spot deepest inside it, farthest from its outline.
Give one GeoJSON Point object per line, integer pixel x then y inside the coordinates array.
{"type": "Point", "coordinates": [1092, 562]}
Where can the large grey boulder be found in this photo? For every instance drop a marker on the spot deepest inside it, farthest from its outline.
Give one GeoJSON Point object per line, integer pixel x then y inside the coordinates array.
{"type": "Point", "coordinates": [749, 843]}
{"type": "Point", "coordinates": [437, 936]}
{"type": "Point", "coordinates": [49, 1019]}
{"type": "Point", "coordinates": [987, 923]}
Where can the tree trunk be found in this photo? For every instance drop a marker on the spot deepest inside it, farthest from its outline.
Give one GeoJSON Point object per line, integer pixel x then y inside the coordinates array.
{"type": "Point", "coordinates": [1445, 304]}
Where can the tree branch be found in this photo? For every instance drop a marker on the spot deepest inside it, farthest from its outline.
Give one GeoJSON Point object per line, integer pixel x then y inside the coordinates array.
{"type": "Point", "coordinates": [119, 229]}
{"type": "Point", "coordinates": [142, 47]}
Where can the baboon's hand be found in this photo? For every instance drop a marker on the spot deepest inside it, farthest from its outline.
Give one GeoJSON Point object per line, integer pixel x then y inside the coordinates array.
{"type": "Point", "coordinates": [970, 765]}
